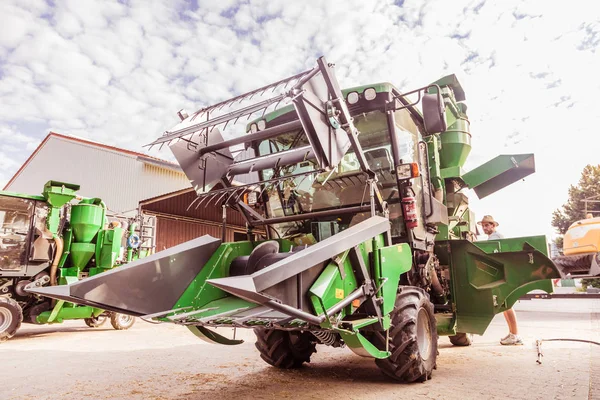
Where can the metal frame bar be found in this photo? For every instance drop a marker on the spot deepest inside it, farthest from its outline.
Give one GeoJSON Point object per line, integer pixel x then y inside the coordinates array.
{"type": "Point", "coordinates": [261, 135]}
{"type": "Point", "coordinates": [315, 214]}
{"type": "Point", "coordinates": [300, 78]}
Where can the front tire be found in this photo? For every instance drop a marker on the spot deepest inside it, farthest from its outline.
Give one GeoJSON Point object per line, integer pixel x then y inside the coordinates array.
{"type": "Point", "coordinates": [413, 338]}
{"type": "Point", "coordinates": [121, 322]}
{"type": "Point", "coordinates": [461, 339]}
{"type": "Point", "coordinates": [11, 316]}
{"type": "Point", "coordinates": [284, 349]}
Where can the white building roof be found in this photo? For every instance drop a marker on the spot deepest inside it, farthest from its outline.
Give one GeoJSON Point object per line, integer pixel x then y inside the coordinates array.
{"type": "Point", "coordinates": [119, 177]}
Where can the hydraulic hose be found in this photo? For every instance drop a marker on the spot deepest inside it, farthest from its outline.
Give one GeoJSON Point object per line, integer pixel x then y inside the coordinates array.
{"type": "Point", "coordinates": [57, 257]}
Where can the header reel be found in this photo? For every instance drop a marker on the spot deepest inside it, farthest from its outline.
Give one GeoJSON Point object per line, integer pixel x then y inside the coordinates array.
{"type": "Point", "coordinates": [198, 144]}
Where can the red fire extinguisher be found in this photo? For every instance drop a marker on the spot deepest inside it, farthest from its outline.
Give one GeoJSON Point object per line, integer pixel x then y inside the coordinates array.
{"type": "Point", "coordinates": [409, 207]}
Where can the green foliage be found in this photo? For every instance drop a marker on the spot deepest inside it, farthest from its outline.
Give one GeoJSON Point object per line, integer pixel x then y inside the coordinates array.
{"type": "Point", "coordinates": [590, 282]}
{"type": "Point", "coordinates": [559, 243]}
{"type": "Point", "coordinates": [573, 210]}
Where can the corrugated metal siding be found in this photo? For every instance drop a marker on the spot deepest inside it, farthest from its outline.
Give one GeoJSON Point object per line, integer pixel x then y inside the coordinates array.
{"type": "Point", "coordinates": [178, 205]}
{"type": "Point", "coordinates": [171, 232]}
{"type": "Point", "coordinates": [121, 180]}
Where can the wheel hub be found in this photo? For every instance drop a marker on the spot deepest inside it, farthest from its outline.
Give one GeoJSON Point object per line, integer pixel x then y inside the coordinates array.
{"type": "Point", "coordinates": [5, 319]}
{"type": "Point", "coordinates": [423, 334]}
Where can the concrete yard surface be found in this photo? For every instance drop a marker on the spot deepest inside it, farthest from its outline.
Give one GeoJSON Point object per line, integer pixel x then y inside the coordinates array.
{"type": "Point", "coordinates": [71, 361]}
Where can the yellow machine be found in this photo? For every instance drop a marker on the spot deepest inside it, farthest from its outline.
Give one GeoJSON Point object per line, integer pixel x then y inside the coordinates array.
{"type": "Point", "coordinates": [581, 249]}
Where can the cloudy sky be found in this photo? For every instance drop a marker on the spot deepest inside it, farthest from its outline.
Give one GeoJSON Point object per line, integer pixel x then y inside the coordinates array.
{"type": "Point", "coordinates": [117, 72]}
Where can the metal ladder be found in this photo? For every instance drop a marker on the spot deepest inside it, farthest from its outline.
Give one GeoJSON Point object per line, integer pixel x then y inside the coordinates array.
{"type": "Point", "coordinates": [147, 232]}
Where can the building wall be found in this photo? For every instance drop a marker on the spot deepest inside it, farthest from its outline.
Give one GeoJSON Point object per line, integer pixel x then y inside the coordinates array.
{"type": "Point", "coordinates": [171, 232]}
{"type": "Point", "coordinates": [177, 222]}
{"type": "Point", "coordinates": [187, 205]}
{"type": "Point", "coordinates": [120, 179]}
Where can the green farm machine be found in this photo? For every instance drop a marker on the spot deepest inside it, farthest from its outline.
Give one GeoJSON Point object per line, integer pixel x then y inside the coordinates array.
{"type": "Point", "coordinates": [359, 228]}
{"type": "Point", "coordinates": [47, 241]}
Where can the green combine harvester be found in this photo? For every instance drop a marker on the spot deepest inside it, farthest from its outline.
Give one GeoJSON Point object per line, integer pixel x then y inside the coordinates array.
{"type": "Point", "coordinates": [359, 230]}
{"type": "Point", "coordinates": [47, 241]}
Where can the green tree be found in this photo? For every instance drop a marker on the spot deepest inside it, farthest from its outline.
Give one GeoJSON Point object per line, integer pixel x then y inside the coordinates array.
{"type": "Point", "coordinates": [573, 210]}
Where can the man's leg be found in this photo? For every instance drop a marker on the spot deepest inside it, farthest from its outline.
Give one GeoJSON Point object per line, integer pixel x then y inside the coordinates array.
{"type": "Point", "coordinates": [511, 320]}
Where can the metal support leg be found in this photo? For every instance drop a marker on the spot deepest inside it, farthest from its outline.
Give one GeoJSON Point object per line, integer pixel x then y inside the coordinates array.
{"type": "Point", "coordinates": [371, 182]}
{"type": "Point", "coordinates": [224, 233]}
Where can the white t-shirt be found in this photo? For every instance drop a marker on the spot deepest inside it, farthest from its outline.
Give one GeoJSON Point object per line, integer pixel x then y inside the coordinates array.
{"type": "Point", "coordinates": [495, 235]}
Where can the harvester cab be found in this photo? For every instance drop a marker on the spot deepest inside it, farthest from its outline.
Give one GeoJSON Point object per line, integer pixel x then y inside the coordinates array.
{"type": "Point", "coordinates": [359, 229]}
{"type": "Point", "coordinates": [48, 241]}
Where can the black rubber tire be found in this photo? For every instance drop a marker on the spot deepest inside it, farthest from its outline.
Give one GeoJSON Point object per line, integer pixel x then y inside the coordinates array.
{"type": "Point", "coordinates": [284, 349]}
{"type": "Point", "coordinates": [461, 339]}
{"type": "Point", "coordinates": [413, 338]}
{"type": "Point", "coordinates": [121, 322]}
{"type": "Point", "coordinates": [11, 316]}
{"type": "Point", "coordinates": [95, 322]}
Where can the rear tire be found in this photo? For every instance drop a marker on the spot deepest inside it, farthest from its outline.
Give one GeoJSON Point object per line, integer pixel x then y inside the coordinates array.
{"type": "Point", "coordinates": [121, 322]}
{"type": "Point", "coordinates": [413, 338]}
{"type": "Point", "coordinates": [95, 322]}
{"type": "Point", "coordinates": [11, 316]}
{"type": "Point", "coordinates": [461, 339]}
{"type": "Point", "coordinates": [284, 349]}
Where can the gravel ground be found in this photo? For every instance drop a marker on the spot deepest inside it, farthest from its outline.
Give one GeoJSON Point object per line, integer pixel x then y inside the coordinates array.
{"type": "Point", "coordinates": [71, 361]}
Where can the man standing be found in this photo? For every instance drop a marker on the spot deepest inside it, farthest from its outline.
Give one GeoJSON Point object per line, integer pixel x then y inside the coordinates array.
{"type": "Point", "coordinates": [489, 228]}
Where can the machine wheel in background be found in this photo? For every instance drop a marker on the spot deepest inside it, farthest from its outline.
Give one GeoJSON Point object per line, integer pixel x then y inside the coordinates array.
{"type": "Point", "coordinates": [120, 321]}
{"type": "Point", "coordinates": [461, 339]}
{"type": "Point", "coordinates": [95, 322]}
{"type": "Point", "coordinates": [413, 338]}
{"type": "Point", "coordinates": [11, 316]}
{"type": "Point", "coordinates": [284, 349]}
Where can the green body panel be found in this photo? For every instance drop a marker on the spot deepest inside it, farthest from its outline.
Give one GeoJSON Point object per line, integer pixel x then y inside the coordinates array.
{"type": "Point", "coordinates": [361, 345]}
{"type": "Point", "coordinates": [57, 194]}
{"type": "Point", "coordinates": [456, 145]}
{"type": "Point", "coordinates": [199, 292]}
{"type": "Point", "coordinates": [81, 254]}
{"type": "Point", "coordinates": [329, 289]}
{"type": "Point", "coordinates": [68, 276]}
{"type": "Point", "coordinates": [86, 220]}
{"type": "Point", "coordinates": [499, 173]}
{"type": "Point", "coordinates": [452, 81]}
{"type": "Point", "coordinates": [433, 149]}
{"type": "Point", "coordinates": [21, 195]}
{"type": "Point", "coordinates": [111, 246]}
{"type": "Point", "coordinates": [66, 311]}
{"type": "Point", "coordinates": [513, 244]}
{"type": "Point", "coordinates": [487, 283]}
{"type": "Point", "coordinates": [452, 172]}
{"type": "Point", "coordinates": [395, 260]}
{"type": "Point", "coordinates": [67, 241]}
{"type": "Point", "coordinates": [446, 324]}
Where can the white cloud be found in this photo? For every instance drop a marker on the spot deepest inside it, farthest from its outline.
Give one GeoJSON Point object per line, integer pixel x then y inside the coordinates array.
{"type": "Point", "coordinates": [118, 71]}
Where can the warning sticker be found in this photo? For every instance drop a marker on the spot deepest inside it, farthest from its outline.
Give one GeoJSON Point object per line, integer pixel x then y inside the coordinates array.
{"type": "Point", "coordinates": [339, 293]}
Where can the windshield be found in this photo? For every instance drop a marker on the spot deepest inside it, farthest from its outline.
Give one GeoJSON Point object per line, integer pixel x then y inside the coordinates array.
{"type": "Point", "coordinates": [15, 217]}
{"type": "Point", "coordinates": [314, 190]}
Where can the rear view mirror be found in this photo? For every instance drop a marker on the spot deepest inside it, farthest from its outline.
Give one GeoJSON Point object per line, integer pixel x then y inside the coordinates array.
{"type": "Point", "coordinates": [434, 115]}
